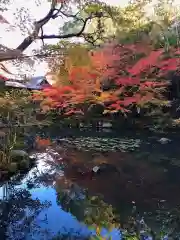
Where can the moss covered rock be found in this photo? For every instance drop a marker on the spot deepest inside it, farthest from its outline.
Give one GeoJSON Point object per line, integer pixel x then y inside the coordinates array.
{"type": "Point", "coordinates": [18, 155]}
{"type": "Point", "coordinates": [13, 167]}
{"type": "Point", "coordinates": [24, 164]}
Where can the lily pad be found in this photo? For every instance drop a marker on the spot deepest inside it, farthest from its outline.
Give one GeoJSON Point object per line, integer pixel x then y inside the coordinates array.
{"type": "Point", "coordinates": [105, 144]}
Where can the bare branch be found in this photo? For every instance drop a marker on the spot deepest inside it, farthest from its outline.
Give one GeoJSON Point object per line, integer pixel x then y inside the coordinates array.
{"type": "Point", "coordinates": [70, 15]}
{"type": "Point", "coordinates": [10, 54]}
{"type": "Point", "coordinates": [68, 35]}
{"type": "Point", "coordinates": [55, 15]}
{"type": "Point", "coordinates": [42, 33]}
{"type": "Point", "coordinates": [38, 28]}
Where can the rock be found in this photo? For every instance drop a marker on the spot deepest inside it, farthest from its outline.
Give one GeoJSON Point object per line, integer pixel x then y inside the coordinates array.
{"type": "Point", "coordinates": [164, 140]}
{"type": "Point", "coordinates": [20, 153]}
{"type": "Point", "coordinates": [107, 125]}
{"type": "Point", "coordinates": [96, 169]}
{"type": "Point", "coordinates": [13, 167]}
{"type": "Point", "coordinates": [32, 159]}
{"type": "Point", "coordinates": [24, 164]}
{"type": "Point", "coordinates": [105, 168]}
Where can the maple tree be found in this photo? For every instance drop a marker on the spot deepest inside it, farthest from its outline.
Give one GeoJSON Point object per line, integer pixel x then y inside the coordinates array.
{"type": "Point", "coordinates": [135, 75]}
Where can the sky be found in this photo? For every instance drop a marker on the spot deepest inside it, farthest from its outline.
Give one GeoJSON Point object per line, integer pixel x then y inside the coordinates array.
{"type": "Point", "coordinates": [14, 37]}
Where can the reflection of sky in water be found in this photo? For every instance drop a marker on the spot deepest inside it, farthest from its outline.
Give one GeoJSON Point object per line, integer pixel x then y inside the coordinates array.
{"type": "Point", "coordinates": [57, 220]}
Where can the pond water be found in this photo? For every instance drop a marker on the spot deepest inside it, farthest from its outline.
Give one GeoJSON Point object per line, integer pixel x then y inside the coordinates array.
{"type": "Point", "coordinates": [101, 179]}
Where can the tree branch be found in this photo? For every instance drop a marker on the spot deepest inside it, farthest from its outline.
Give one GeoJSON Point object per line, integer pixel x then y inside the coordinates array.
{"type": "Point", "coordinates": [38, 25]}
{"type": "Point", "coordinates": [16, 53]}
{"type": "Point", "coordinates": [42, 33]}
{"type": "Point", "coordinates": [68, 35]}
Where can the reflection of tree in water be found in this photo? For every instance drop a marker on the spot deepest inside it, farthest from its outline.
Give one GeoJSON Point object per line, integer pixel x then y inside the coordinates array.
{"type": "Point", "coordinates": [18, 213]}
{"type": "Point", "coordinates": [87, 209]}
{"type": "Point", "coordinates": [94, 210]}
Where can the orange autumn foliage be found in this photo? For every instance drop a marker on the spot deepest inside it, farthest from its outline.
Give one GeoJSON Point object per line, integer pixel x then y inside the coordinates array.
{"type": "Point", "coordinates": [135, 77]}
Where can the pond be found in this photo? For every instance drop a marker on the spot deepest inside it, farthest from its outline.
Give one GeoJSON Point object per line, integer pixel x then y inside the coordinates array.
{"type": "Point", "coordinates": [96, 183]}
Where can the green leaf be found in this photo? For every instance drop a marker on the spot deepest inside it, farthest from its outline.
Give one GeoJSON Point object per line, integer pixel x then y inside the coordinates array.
{"type": "Point", "coordinates": [93, 8]}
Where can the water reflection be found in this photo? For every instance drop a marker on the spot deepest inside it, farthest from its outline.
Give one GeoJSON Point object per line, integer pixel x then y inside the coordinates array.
{"type": "Point", "coordinates": [62, 195]}
{"type": "Point", "coordinates": [140, 179]}
{"type": "Point", "coordinates": [31, 208]}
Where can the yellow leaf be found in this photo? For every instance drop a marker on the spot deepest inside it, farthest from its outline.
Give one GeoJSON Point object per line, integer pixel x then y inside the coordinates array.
{"type": "Point", "coordinates": [78, 56]}
{"type": "Point", "coordinates": [104, 96]}
{"type": "Point", "coordinates": [98, 231]}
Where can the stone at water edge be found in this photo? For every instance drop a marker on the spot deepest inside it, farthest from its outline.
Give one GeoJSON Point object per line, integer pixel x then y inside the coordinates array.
{"type": "Point", "coordinates": [164, 140]}
{"type": "Point", "coordinates": [20, 153]}
{"type": "Point", "coordinates": [21, 157]}
{"type": "Point", "coordinates": [24, 164]}
{"type": "Point", "coordinates": [105, 168]}
{"type": "Point", "coordinates": [96, 169]}
{"type": "Point", "coordinates": [13, 167]}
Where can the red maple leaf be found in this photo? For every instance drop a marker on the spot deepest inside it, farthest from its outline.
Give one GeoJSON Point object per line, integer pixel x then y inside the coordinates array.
{"type": "Point", "coordinates": [146, 62]}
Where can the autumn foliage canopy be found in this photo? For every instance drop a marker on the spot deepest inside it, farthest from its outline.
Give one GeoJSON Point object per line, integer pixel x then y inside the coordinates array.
{"type": "Point", "coordinates": [115, 76]}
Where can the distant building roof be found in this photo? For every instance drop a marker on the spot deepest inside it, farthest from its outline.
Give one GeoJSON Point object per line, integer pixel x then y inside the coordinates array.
{"type": "Point", "coordinates": [35, 83]}
{"type": "Point", "coordinates": [15, 84]}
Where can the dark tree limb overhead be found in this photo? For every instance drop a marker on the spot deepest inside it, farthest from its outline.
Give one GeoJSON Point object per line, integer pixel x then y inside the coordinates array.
{"type": "Point", "coordinates": [53, 13]}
